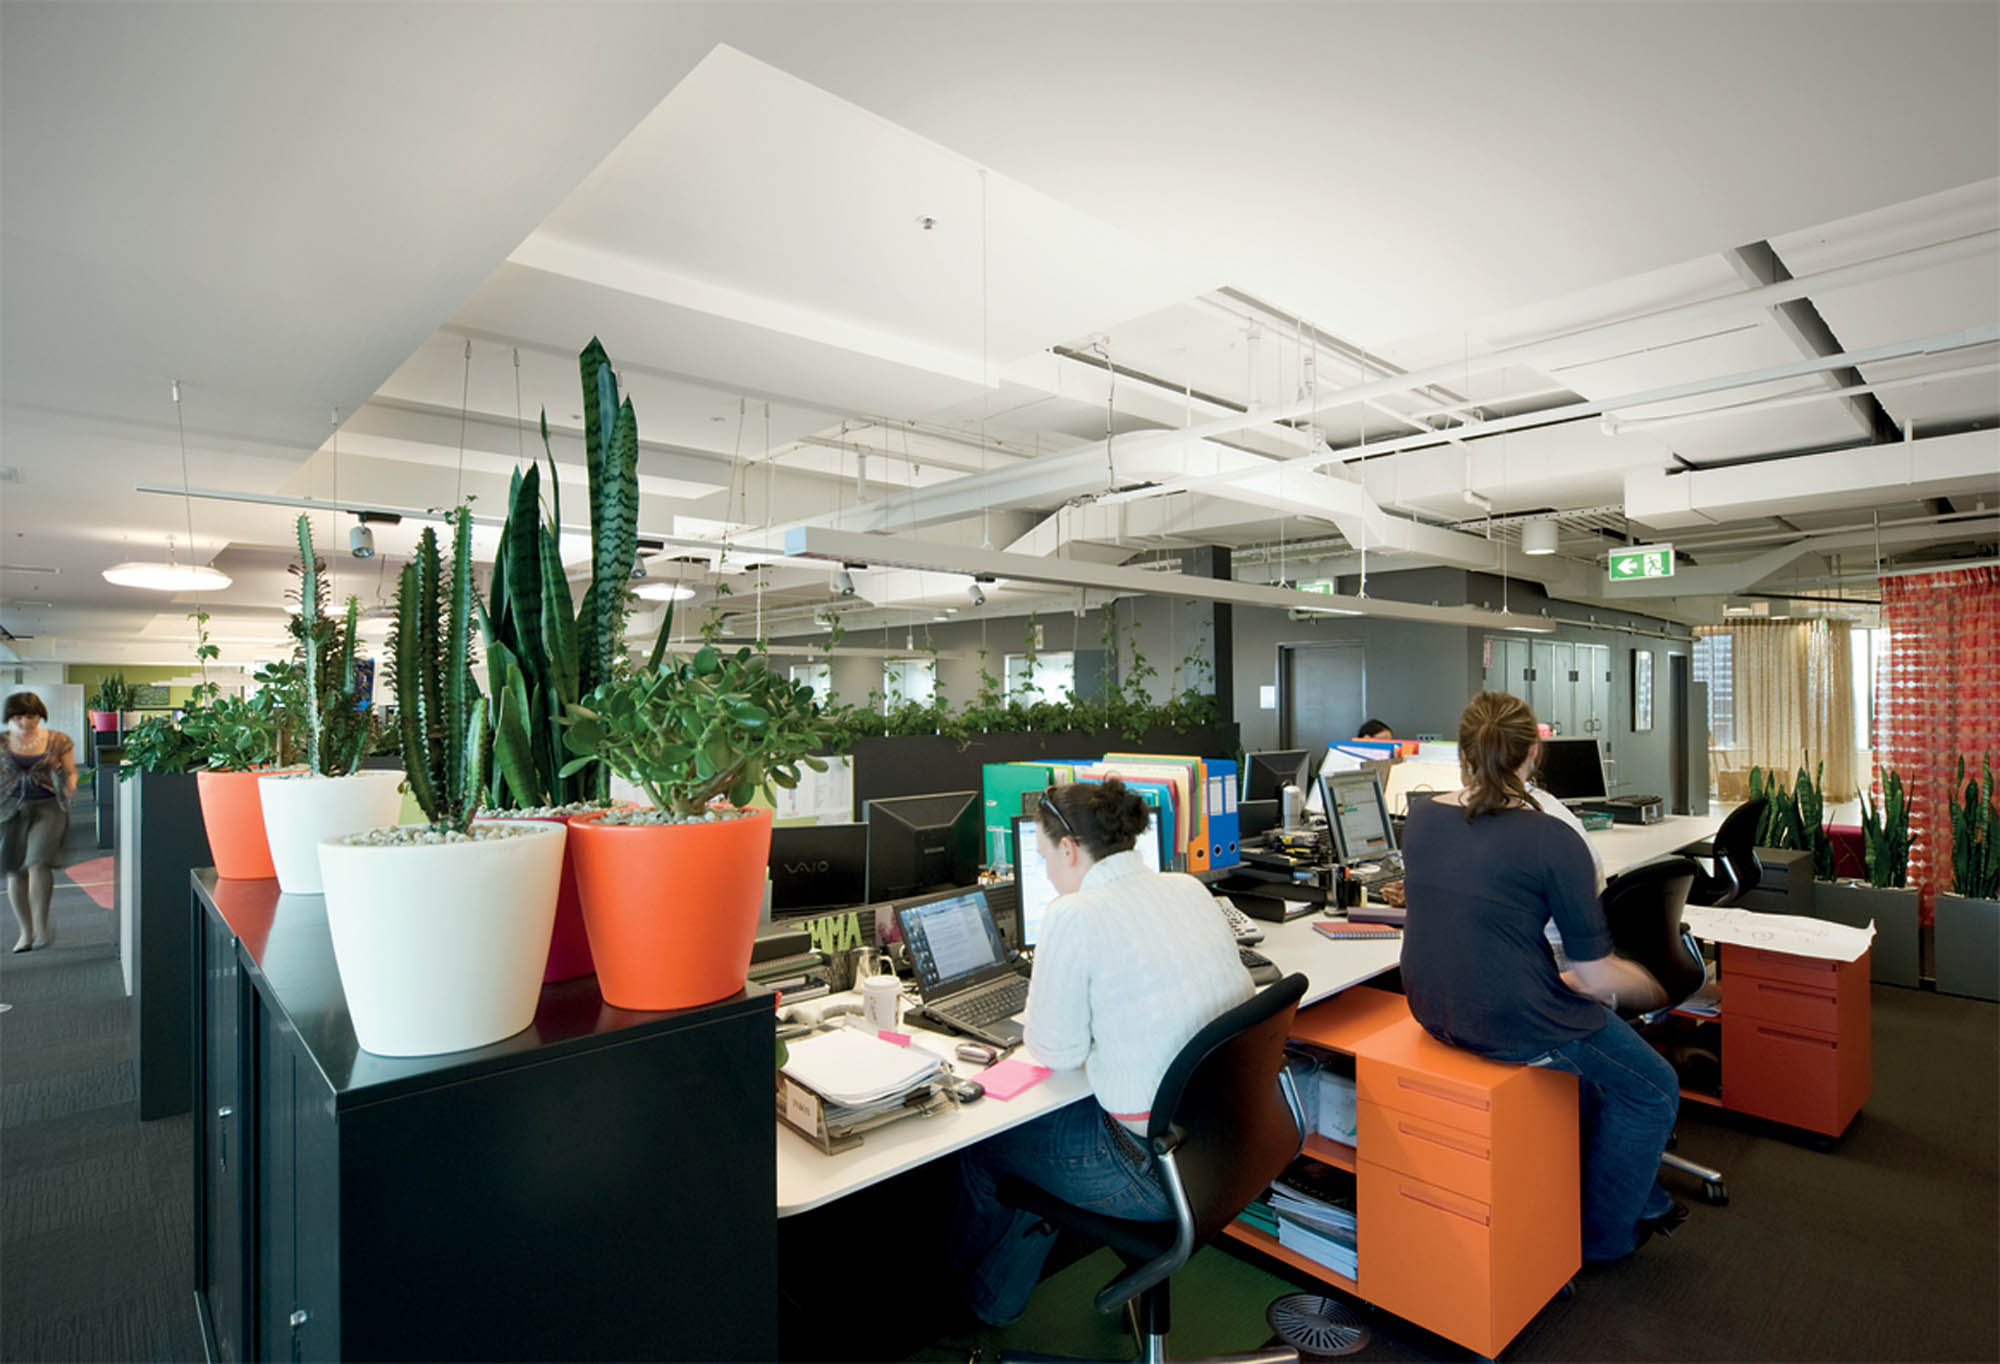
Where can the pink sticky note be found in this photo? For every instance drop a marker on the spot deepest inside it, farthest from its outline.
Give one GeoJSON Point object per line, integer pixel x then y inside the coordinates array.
{"type": "Point", "coordinates": [901, 1039]}
{"type": "Point", "coordinates": [1005, 1079]}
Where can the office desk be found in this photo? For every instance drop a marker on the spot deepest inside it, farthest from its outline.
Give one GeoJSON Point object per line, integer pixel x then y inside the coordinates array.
{"type": "Point", "coordinates": [808, 1178]}
{"type": "Point", "coordinates": [1623, 846]}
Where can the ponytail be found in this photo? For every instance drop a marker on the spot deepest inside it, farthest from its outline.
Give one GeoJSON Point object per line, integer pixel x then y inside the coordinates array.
{"type": "Point", "coordinates": [1496, 733]}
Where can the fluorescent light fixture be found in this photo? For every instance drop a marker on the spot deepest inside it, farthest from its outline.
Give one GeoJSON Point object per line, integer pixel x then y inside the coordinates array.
{"type": "Point", "coordinates": [663, 591]}
{"type": "Point", "coordinates": [1538, 537]}
{"type": "Point", "coordinates": [156, 576]}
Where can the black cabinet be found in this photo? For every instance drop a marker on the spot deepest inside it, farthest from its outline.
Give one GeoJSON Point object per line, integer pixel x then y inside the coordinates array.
{"type": "Point", "coordinates": [218, 1143]}
{"type": "Point", "coordinates": [601, 1185]}
{"type": "Point", "coordinates": [165, 841]}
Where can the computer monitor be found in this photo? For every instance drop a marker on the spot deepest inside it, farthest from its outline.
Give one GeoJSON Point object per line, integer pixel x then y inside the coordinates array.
{"type": "Point", "coordinates": [1572, 769]}
{"type": "Point", "coordinates": [1031, 874]}
{"type": "Point", "coordinates": [922, 843]}
{"type": "Point", "coordinates": [1357, 816]}
{"type": "Point", "coordinates": [818, 866]}
{"type": "Point", "coordinates": [1266, 773]}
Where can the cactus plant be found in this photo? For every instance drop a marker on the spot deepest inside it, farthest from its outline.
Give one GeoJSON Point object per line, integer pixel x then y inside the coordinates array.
{"type": "Point", "coordinates": [542, 655]}
{"type": "Point", "coordinates": [438, 705]}
{"type": "Point", "coordinates": [1975, 839]}
{"type": "Point", "coordinates": [337, 726]}
{"type": "Point", "coordinates": [1885, 833]}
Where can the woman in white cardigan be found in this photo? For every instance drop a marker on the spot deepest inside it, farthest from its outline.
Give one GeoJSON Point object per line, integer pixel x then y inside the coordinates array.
{"type": "Point", "coordinates": [1130, 965]}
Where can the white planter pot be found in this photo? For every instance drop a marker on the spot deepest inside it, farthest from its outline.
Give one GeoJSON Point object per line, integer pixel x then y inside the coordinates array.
{"type": "Point", "coordinates": [301, 811]}
{"type": "Point", "coordinates": [441, 946]}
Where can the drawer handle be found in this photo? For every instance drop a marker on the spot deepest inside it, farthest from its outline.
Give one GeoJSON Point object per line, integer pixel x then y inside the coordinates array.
{"type": "Point", "coordinates": [1460, 1145]}
{"type": "Point", "coordinates": [1816, 996]}
{"type": "Point", "coordinates": [1826, 1042]}
{"type": "Point", "coordinates": [1430, 1200]}
{"type": "Point", "coordinates": [1440, 1092]}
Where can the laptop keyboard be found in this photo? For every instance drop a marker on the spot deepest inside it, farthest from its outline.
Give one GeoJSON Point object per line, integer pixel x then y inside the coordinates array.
{"type": "Point", "coordinates": [990, 1005]}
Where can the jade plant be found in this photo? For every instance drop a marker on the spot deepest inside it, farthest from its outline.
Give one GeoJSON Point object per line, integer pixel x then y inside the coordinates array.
{"type": "Point", "coordinates": [1975, 835]}
{"type": "Point", "coordinates": [338, 729]}
{"type": "Point", "coordinates": [692, 731]}
{"type": "Point", "coordinates": [1885, 833]}
{"type": "Point", "coordinates": [542, 656]}
{"type": "Point", "coordinates": [438, 706]}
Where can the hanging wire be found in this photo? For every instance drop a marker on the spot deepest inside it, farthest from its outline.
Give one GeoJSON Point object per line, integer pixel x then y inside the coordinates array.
{"type": "Point", "coordinates": [520, 430]}
{"type": "Point", "coordinates": [187, 499]}
{"type": "Point", "coordinates": [985, 358]}
{"type": "Point", "coordinates": [464, 406]}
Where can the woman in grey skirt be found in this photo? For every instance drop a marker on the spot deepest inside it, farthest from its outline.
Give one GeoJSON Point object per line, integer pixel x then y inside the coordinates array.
{"type": "Point", "coordinates": [35, 787]}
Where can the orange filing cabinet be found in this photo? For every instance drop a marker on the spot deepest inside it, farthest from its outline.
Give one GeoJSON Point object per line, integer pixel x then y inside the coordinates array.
{"type": "Point", "coordinates": [1796, 1042]}
{"type": "Point", "coordinates": [1466, 1176]}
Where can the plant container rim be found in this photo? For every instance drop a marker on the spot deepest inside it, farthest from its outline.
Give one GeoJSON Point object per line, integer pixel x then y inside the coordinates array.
{"type": "Point", "coordinates": [593, 818]}
{"type": "Point", "coordinates": [301, 774]}
{"type": "Point", "coordinates": [547, 828]}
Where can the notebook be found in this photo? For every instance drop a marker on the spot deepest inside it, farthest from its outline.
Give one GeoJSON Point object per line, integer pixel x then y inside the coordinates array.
{"type": "Point", "coordinates": [961, 965]}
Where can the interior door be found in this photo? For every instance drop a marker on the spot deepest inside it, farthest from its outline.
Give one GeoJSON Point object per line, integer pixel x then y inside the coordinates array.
{"type": "Point", "coordinates": [1322, 693]}
{"type": "Point", "coordinates": [1678, 676]}
{"type": "Point", "coordinates": [1594, 689]}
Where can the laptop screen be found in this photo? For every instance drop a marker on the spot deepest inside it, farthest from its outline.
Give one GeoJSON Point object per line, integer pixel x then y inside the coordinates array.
{"type": "Point", "coordinates": [953, 940]}
{"type": "Point", "coordinates": [1358, 817]}
{"type": "Point", "coordinates": [1031, 874]}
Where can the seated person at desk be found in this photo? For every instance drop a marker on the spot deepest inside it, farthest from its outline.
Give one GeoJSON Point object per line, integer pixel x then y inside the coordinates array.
{"type": "Point", "coordinates": [1131, 965]}
{"type": "Point", "coordinates": [1485, 870]}
{"type": "Point", "coordinates": [1374, 729]}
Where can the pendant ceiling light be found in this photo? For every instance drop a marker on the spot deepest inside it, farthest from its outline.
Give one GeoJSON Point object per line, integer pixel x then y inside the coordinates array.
{"type": "Point", "coordinates": [171, 576]}
{"type": "Point", "coordinates": [656, 589]}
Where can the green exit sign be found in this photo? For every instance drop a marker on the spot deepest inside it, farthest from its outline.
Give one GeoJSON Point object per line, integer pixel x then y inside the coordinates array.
{"type": "Point", "coordinates": [1642, 561]}
{"type": "Point", "coordinates": [1321, 585]}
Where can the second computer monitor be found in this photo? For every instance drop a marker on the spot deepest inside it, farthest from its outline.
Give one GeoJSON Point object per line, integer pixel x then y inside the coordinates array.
{"type": "Point", "coordinates": [1031, 874]}
{"type": "Point", "coordinates": [818, 866]}
{"type": "Point", "coordinates": [1572, 769]}
{"type": "Point", "coordinates": [922, 843]}
{"type": "Point", "coordinates": [1265, 773]}
{"type": "Point", "coordinates": [1357, 816]}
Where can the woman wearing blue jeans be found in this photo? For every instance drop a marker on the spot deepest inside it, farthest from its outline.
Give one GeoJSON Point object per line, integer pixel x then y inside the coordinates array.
{"type": "Point", "coordinates": [1486, 870]}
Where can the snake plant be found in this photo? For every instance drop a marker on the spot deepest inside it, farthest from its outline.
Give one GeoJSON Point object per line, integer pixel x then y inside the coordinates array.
{"type": "Point", "coordinates": [1885, 833]}
{"type": "Point", "coordinates": [542, 656]}
{"type": "Point", "coordinates": [1975, 835]}
{"type": "Point", "coordinates": [442, 715]}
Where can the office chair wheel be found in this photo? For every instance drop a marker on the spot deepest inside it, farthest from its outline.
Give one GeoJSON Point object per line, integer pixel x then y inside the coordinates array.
{"type": "Point", "coordinates": [1567, 1291]}
{"type": "Point", "coordinates": [1716, 1193]}
{"type": "Point", "coordinates": [1315, 1325]}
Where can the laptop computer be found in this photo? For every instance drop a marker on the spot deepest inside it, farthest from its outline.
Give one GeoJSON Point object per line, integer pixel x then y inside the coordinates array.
{"type": "Point", "coordinates": [967, 982]}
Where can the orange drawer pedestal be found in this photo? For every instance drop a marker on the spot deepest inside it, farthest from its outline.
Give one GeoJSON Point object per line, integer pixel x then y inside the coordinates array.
{"type": "Point", "coordinates": [1797, 1046]}
{"type": "Point", "coordinates": [1466, 1189]}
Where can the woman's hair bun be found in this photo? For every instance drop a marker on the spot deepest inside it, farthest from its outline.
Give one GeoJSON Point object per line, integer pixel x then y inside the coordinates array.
{"type": "Point", "coordinates": [1120, 812]}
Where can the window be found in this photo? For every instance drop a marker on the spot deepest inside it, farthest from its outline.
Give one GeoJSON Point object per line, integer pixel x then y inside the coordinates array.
{"type": "Point", "coordinates": [1713, 665]}
{"type": "Point", "coordinates": [1865, 649]}
{"type": "Point", "coordinates": [907, 679]}
{"type": "Point", "coordinates": [1051, 678]}
{"type": "Point", "coordinates": [818, 676]}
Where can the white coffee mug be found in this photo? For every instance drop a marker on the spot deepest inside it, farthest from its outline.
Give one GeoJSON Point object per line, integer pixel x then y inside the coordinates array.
{"type": "Point", "coordinates": [881, 1001]}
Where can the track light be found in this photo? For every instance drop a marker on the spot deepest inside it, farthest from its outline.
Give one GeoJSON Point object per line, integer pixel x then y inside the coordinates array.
{"type": "Point", "coordinates": [361, 542]}
{"type": "Point", "coordinates": [978, 597]}
{"type": "Point", "coordinates": [843, 583]}
{"type": "Point", "coordinates": [1538, 537]}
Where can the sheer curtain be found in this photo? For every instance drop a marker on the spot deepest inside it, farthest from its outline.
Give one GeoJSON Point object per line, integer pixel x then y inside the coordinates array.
{"type": "Point", "coordinates": [1795, 698]}
{"type": "Point", "coordinates": [1937, 696]}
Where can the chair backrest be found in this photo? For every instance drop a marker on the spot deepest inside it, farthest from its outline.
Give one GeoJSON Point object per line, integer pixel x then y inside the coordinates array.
{"type": "Point", "coordinates": [1643, 907]}
{"type": "Point", "coordinates": [1223, 1097]}
{"type": "Point", "coordinates": [1736, 865]}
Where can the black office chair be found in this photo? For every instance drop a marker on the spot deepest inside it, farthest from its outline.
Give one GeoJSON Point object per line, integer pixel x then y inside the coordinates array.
{"type": "Point", "coordinates": [1733, 869]}
{"type": "Point", "coordinates": [1225, 1123]}
{"type": "Point", "coordinates": [1642, 906]}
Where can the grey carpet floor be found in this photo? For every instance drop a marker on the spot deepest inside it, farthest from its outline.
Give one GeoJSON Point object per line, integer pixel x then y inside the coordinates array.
{"type": "Point", "coordinates": [95, 1210]}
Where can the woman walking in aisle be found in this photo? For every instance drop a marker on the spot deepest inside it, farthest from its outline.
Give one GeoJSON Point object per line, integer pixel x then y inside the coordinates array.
{"type": "Point", "coordinates": [35, 789]}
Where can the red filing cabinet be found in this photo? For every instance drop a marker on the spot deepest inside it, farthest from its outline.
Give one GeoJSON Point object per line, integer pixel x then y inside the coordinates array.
{"type": "Point", "coordinates": [1796, 1042]}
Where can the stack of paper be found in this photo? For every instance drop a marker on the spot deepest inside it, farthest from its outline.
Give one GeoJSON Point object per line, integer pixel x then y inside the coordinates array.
{"type": "Point", "coordinates": [1314, 1204]}
{"type": "Point", "coordinates": [837, 1085]}
{"type": "Point", "coordinates": [1336, 1111]}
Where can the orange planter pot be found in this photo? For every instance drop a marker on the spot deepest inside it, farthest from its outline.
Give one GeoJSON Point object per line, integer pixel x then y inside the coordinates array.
{"type": "Point", "coordinates": [233, 812]}
{"type": "Point", "coordinates": [671, 909]}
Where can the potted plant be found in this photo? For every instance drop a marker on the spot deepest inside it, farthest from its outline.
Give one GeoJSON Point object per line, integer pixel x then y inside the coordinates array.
{"type": "Point", "coordinates": [332, 796]}
{"type": "Point", "coordinates": [1883, 898]}
{"type": "Point", "coordinates": [112, 696]}
{"type": "Point", "coordinates": [542, 656]}
{"type": "Point", "coordinates": [671, 894]}
{"type": "Point", "coordinates": [441, 929]}
{"type": "Point", "coordinates": [1966, 923]}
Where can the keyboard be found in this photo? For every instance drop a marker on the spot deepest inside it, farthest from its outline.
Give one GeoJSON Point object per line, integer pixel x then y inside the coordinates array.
{"type": "Point", "coordinates": [1261, 968]}
{"type": "Point", "coordinates": [1001, 1000]}
{"type": "Point", "coordinates": [1241, 924]}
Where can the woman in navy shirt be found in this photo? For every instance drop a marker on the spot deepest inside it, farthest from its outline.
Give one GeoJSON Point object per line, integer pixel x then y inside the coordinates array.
{"type": "Point", "coordinates": [1485, 871]}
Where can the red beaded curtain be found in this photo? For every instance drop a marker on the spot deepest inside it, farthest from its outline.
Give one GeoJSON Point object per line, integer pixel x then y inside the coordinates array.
{"type": "Point", "coordinates": [1937, 697]}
